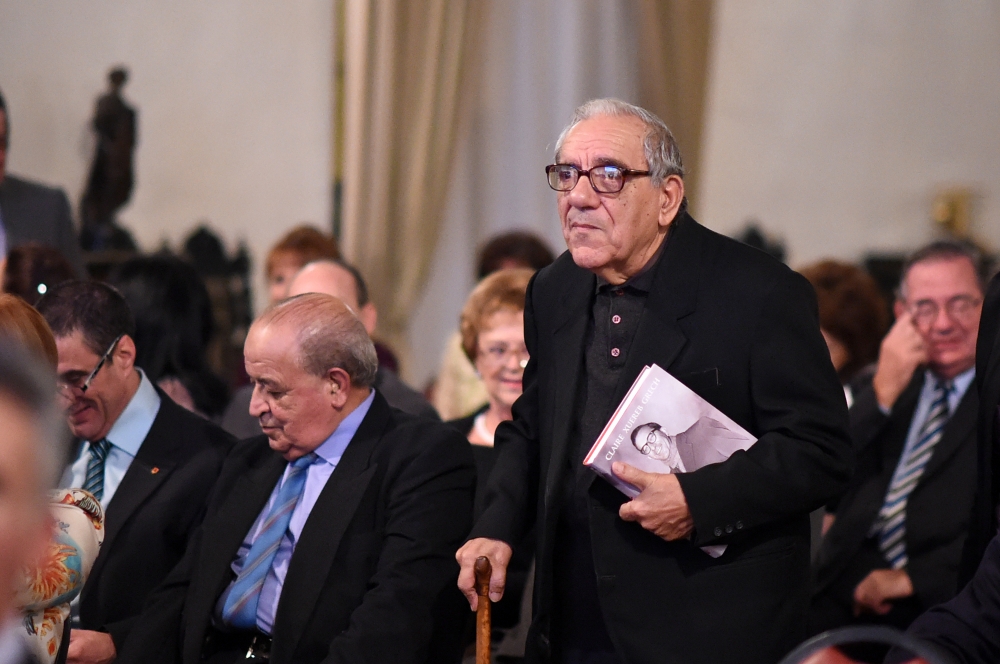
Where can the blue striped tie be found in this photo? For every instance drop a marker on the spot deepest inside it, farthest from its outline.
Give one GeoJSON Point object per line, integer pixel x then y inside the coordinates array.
{"type": "Point", "coordinates": [240, 608]}
{"type": "Point", "coordinates": [892, 516]}
{"type": "Point", "coordinates": [94, 482]}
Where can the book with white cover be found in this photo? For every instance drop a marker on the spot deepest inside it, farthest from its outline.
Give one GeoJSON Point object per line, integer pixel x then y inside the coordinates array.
{"type": "Point", "coordinates": [662, 426]}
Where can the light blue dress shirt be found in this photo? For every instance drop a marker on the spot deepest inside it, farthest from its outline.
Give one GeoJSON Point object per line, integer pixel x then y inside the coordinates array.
{"type": "Point", "coordinates": [329, 455]}
{"type": "Point", "coordinates": [126, 436]}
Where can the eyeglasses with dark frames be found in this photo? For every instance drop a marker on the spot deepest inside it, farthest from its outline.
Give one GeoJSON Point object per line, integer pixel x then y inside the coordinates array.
{"type": "Point", "coordinates": [62, 384]}
{"type": "Point", "coordinates": [607, 179]}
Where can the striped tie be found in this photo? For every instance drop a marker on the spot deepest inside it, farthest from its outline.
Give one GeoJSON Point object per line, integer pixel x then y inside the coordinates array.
{"type": "Point", "coordinates": [94, 482]}
{"type": "Point", "coordinates": [892, 516]}
{"type": "Point", "coordinates": [240, 608]}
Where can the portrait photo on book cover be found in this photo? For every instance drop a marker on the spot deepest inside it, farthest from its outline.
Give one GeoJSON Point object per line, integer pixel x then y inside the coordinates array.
{"type": "Point", "coordinates": [706, 441]}
{"type": "Point", "coordinates": [662, 426]}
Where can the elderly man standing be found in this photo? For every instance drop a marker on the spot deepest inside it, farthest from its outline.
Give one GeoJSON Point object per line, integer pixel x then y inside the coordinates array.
{"type": "Point", "coordinates": [330, 538]}
{"type": "Point", "coordinates": [626, 581]}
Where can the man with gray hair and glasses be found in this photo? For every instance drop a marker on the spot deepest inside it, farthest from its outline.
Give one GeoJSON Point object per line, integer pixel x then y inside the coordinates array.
{"type": "Point", "coordinates": [895, 543]}
{"type": "Point", "coordinates": [621, 580]}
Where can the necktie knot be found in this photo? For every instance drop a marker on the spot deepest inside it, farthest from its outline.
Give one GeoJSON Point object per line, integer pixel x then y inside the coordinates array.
{"type": "Point", "coordinates": [304, 461]}
{"type": "Point", "coordinates": [101, 448]}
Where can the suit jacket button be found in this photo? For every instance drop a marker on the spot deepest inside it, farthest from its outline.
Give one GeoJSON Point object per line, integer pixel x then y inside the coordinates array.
{"type": "Point", "coordinates": [543, 645]}
{"type": "Point", "coordinates": [718, 532]}
{"type": "Point", "coordinates": [739, 525]}
{"type": "Point", "coordinates": [729, 529]}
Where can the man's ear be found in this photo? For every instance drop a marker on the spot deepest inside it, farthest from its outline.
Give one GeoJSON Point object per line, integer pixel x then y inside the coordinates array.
{"type": "Point", "coordinates": [671, 197]}
{"type": "Point", "coordinates": [369, 317]}
{"type": "Point", "coordinates": [338, 383]}
{"type": "Point", "coordinates": [124, 354]}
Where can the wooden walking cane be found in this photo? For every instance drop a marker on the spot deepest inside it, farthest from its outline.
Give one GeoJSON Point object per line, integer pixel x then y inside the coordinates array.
{"type": "Point", "coordinates": [483, 571]}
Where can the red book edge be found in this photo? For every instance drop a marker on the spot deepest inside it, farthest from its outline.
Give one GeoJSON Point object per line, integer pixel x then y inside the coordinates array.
{"type": "Point", "coordinates": [613, 422]}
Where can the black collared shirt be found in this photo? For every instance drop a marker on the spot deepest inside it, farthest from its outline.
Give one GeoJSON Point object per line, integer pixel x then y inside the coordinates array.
{"type": "Point", "coordinates": [614, 320]}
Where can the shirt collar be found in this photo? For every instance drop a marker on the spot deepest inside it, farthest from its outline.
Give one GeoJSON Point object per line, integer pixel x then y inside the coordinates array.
{"type": "Point", "coordinates": [959, 384]}
{"type": "Point", "coordinates": [333, 447]}
{"type": "Point", "coordinates": [133, 425]}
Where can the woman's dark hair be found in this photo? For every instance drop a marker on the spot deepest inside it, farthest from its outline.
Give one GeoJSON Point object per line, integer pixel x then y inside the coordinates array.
{"type": "Point", "coordinates": [173, 326]}
{"type": "Point", "coordinates": [514, 249]}
{"type": "Point", "coordinates": [852, 309]}
{"type": "Point", "coordinates": [33, 269]}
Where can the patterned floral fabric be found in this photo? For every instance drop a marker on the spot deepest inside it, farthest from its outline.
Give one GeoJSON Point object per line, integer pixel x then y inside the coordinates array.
{"type": "Point", "coordinates": [46, 593]}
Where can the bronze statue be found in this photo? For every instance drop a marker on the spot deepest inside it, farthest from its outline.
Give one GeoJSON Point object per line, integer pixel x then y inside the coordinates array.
{"type": "Point", "coordinates": [109, 184]}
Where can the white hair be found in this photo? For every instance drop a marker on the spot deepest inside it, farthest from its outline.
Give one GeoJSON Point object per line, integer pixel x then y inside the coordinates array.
{"type": "Point", "coordinates": [663, 157]}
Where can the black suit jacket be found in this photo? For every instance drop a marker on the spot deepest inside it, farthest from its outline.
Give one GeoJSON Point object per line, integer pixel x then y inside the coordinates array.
{"type": "Point", "coordinates": [936, 514]}
{"type": "Point", "coordinates": [968, 626]}
{"type": "Point", "coordinates": [373, 566]}
{"type": "Point", "coordinates": [35, 213]}
{"type": "Point", "coordinates": [741, 330]}
{"type": "Point", "coordinates": [154, 513]}
{"type": "Point", "coordinates": [984, 516]}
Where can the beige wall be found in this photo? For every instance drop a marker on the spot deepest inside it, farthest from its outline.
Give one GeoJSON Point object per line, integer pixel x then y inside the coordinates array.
{"type": "Point", "coordinates": [233, 99]}
{"type": "Point", "coordinates": [835, 123]}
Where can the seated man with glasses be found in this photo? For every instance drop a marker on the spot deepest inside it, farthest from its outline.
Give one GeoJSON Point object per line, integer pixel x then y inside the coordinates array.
{"type": "Point", "coordinates": [149, 462]}
{"type": "Point", "coordinates": [896, 539]}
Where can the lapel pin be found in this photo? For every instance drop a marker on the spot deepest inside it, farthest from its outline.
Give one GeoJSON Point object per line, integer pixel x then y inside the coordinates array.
{"type": "Point", "coordinates": [155, 470]}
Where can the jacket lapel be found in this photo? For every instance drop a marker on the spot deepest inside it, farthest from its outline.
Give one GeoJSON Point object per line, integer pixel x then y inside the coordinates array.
{"type": "Point", "coordinates": [568, 339]}
{"type": "Point", "coordinates": [961, 426]}
{"type": "Point", "coordinates": [316, 549]}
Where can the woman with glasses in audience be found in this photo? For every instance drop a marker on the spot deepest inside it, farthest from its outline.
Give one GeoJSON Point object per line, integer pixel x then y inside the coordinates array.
{"type": "Point", "coordinates": [492, 328]}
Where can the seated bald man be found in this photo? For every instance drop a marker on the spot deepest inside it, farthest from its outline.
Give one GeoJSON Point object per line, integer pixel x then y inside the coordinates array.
{"type": "Point", "coordinates": [345, 282]}
{"type": "Point", "coordinates": [330, 538]}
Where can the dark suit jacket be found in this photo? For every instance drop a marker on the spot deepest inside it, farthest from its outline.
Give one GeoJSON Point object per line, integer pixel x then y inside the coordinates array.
{"type": "Point", "coordinates": [936, 513]}
{"type": "Point", "coordinates": [968, 626]}
{"type": "Point", "coordinates": [371, 570]}
{"type": "Point", "coordinates": [35, 213]}
{"type": "Point", "coordinates": [154, 513]}
{"type": "Point", "coordinates": [984, 517]}
{"type": "Point", "coordinates": [741, 330]}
